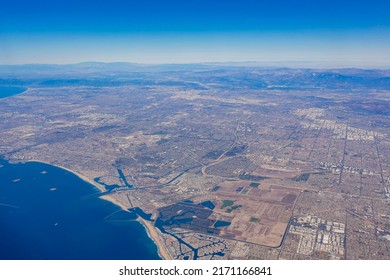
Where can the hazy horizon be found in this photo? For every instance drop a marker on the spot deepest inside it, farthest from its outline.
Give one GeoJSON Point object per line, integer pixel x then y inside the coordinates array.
{"type": "Point", "coordinates": [265, 64]}
{"type": "Point", "coordinates": [332, 33]}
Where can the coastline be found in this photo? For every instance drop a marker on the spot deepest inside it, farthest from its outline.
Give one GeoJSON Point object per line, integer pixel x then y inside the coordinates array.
{"type": "Point", "coordinates": [149, 228]}
{"type": "Point", "coordinates": [153, 235]}
{"type": "Point", "coordinates": [113, 201]}
{"type": "Point", "coordinates": [81, 176]}
{"type": "Point", "coordinates": [25, 89]}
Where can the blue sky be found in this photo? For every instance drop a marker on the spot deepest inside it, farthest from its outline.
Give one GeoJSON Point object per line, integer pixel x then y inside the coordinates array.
{"type": "Point", "coordinates": [322, 33]}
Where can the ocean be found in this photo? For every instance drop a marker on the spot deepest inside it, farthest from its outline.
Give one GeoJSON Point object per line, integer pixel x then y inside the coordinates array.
{"type": "Point", "coordinates": [6, 91]}
{"type": "Point", "coordinates": [48, 213]}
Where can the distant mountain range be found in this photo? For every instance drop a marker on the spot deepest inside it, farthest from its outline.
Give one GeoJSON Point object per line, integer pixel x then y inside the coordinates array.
{"type": "Point", "coordinates": [236, 75]}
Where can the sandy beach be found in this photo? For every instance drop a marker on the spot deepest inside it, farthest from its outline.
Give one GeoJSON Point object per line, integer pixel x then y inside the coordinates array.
{"type": "Point", "coordinates": [112, 200]}
{"type": "Point", "coordinates": [154, 235]}
{"type": "Point", "coordinates": [150, 229]}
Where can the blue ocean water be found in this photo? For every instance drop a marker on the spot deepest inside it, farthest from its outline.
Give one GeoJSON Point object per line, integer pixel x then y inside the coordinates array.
{"type": "Point", "coordinates": [44, 215]}
{"type": "Point", "coordinates": [6, 91]}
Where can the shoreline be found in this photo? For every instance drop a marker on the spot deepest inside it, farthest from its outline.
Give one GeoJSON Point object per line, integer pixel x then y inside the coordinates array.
{"type": "Point", "coordinates": [154, 236]}
{"type": "Point", "coordinates": [81, 176]}
{"type": "Point", "coordinates": [149, 228]}
{"type": "Point", "coordinates": [25, 89]}
{"type": "Point", "coordinates": [113, 201]}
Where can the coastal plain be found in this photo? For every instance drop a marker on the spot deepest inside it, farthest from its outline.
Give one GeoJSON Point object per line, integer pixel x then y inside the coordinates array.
{"type": "Point", "coordinates": [219, 162]}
